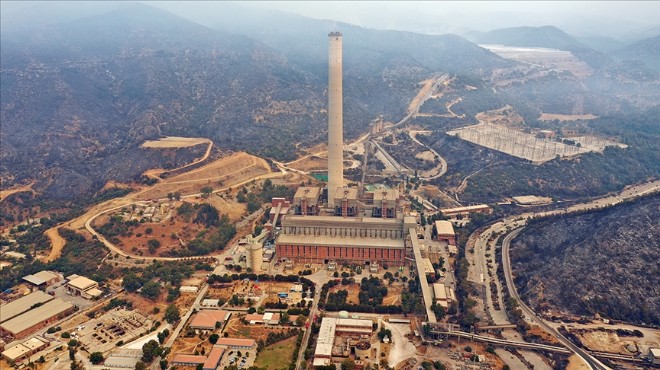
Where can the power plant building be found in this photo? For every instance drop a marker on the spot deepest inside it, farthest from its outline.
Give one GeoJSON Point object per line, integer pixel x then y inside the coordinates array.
{"type": "Point", "coordinates": [342, 224]}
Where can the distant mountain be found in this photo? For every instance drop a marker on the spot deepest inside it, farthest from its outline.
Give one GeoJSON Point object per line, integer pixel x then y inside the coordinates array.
{"type": "Point", "coordinates": [600, 43]}
{"type": "Point", "coordinates": [305, 39]}
{"type": "Point", "coordinates": [81, 92]}
{"type": "Point", "coordinates": [545, 36]}
{"type": "Point", "coordinates": [646, 50]}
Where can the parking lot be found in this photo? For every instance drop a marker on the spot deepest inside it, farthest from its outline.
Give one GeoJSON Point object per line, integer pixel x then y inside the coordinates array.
{"type": "Point", "coordinates": [243, 361]}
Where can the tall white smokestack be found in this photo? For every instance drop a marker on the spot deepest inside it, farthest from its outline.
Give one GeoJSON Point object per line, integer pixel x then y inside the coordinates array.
{"type": "Point", "coordinates": [335, 115]}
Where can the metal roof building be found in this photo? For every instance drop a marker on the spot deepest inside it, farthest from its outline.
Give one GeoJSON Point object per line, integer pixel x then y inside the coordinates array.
{"type": "Point", "coordinates": [36, 318]}
{"type": "Point", "coordinates": [14, 308]}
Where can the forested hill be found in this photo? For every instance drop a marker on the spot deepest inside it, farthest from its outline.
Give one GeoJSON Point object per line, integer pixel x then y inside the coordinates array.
{"type": "Point", "coordinates": [80, 92]}
{"type": "Point", "coordinates": [646, 50]}
{"type": "Point", "coordinates": [601, 262]}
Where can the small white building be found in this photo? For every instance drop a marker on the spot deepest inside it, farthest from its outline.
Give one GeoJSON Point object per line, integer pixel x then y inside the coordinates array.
{"type": "Point", "coordinates": [654, 356]}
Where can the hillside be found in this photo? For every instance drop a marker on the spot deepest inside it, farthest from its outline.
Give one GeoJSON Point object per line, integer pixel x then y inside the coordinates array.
{"type": "Point", "coordinates": [546, 37]}
{"type": "Point", "coordinates": [81, 92]}
{"type": "Point", "coordinates": [601, 262]}
{"type": "Point", "coordinates": [646, 50]}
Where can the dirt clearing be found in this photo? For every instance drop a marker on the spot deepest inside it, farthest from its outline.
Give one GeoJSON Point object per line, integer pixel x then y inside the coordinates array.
{"type": "Point", "coordinates": [566, 117]}
{"type": "Point", "coordinates": [174, 142]}
{"type": "Point", "coordinates": [57, 242]}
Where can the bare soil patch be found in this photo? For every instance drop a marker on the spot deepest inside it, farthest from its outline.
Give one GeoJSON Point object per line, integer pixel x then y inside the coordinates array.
{"type": "Point", "coordinates": [312, 163]}
{"type": "Point", "coordinates": [4, 193]}
{"type": "Point", "coordinates": [575, 363]}
{"type": "Point", "coordinates": [236, 329]}
{"type": "Point", "coordinates": [57, 243]}
{"type": "Point", "coordinates": [226, 206]}
{"type": "Point", "coordinates": [225, 172]}
{"type": "Point", "coordinates": [566, 117]}
{"type": "Point", "coordinates": [174, 142]}
{"type": "Point", "coordinates": [426, 156]}
{"type": "Point", "coordinates": [506, 115]}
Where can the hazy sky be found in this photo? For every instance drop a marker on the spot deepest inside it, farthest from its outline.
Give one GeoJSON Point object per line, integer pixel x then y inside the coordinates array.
{"type": "Point", "coordinates": [580, 17]}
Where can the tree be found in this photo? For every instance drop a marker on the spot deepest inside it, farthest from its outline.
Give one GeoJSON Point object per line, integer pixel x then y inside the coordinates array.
{"type": "Point", "coordinates": [206, 191]}
{"type": "Point", "coordinates": [348, 364]}
{"type": "Point", "coordinates": [96, 358]}
{"type": "Point", "coordinates": [151, 290]}
{"type": "Point", "coordinates": [284, 318]}
{"type": "Point", "coordinates": [439, 311]}
{"type": "Point", "coordinates": [140, 366]}
{"type": "Point", "coordinates": [213, 338]}
{"type": "Point", "coordinates": [150, 350]}
{"type": "Point", "coordinates": [131, 282]}
{"type": "Point", "coordinates": [172, 314]}
{"type": "Point", "coordinates": [163, 364]}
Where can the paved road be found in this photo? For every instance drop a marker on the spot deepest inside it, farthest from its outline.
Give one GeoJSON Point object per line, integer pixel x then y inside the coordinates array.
{"type": "Point", "coordinates": [443, 162]}
{"type": "Point", "coordinates": [479, 273]}
{"type": "Point", "coordinates": [184, 319]}
{"type": "Point", "coordinates": [506, 261]}
{"type": "Point", "coordinates": [319, 278]}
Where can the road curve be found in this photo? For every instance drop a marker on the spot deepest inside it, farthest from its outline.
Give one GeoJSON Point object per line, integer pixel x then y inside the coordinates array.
{"type": "Point", "coordinates": [591, 361]}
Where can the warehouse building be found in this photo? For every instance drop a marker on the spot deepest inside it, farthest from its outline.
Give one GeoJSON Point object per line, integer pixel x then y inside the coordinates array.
{"type": "Point", "coordinates": [14, 308]}
{"type": "Point", "coordinates": [206, 320]}
{"type": "Point", "coordinates": [42, 279]}
{"type": "Point", "coordinates": [36, 318]}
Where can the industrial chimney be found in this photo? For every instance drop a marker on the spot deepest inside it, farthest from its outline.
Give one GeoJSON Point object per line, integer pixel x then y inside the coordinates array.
{"type": "Point", "coordinates": [335, 115]}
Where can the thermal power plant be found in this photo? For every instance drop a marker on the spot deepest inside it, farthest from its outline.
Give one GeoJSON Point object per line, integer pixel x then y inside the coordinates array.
{"type": "Point", "coordinates": [335, 114]}
{"type": "Point", "coordinates": [343, 224]}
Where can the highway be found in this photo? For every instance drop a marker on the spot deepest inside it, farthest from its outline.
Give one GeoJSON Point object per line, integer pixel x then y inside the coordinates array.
{"type": "Point", "coordinates": [506, 262]}
{"type": "Point", "coordinates": [479, 272]}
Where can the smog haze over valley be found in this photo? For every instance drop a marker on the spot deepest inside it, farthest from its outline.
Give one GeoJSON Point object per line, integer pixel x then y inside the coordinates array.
{"type": "Point", "coordinates": [263, 185]}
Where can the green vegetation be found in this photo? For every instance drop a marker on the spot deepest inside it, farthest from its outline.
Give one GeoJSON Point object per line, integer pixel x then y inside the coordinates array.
{"type": "Point", "coordinates": [276, 356]}
{"type": "Point", "coordinates": [172, 314]}
{"type": "Point", "coordinates": [96, 358]}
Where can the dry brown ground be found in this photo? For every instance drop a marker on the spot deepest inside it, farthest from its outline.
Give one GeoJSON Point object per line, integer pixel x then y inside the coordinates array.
{"type": "Point", "coordinates": [311, 164]}
{"type": "Point", "coordinates": [225, 206]}
{"type": "Point", "coordinates": [229, 171]}
{"type": "Point", "coordinates": [257, 332]}
{"type": "Point", "coordinates": [393, 295]}
{"type": "Point", "coordinates": [114, 184]}
{"type": "Point", "coordinates": [57, 243]}
{"type": "Point", "coordinates": [4, 193]}
{"type": "Point", "coordinates": [186, 346]}
{"type": "Point", "coordinates": [576, 363]}
{"type": "Point", "coordinates": [547, 338]}
{"type": "Point", "coordinates": [427, 85]}
{"type": "Point", "coordinates": [566, 117]}
{"type": "Point", "coordinates": [503, 116]}
{"type": "Point", "coordinates": [174, 142]}
{"type": "Point", "coordinates": [605, 341]}
{"type": "Point", "coordinates": [353, 291]}
{"type": "Point", "coordinates": [233, 170]}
